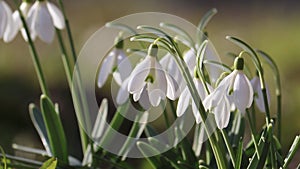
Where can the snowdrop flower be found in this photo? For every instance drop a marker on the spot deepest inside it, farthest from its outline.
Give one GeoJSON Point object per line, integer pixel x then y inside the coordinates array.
{"type": "Point", "coordinates": [185, 99]}
{"type": "Point", "coordinates": [149, 75]}
{"type": "Point", "coordinates": [5, 18]}
{"type": "Point", "coordinates": [42, 19]}
{"type": "Point", "coordinates": [117, 64]}
{"type": "Point", "coordinates": [16, 23]}
{"type": "Point", "coordinates": [234, 88]}
{"type": "Point", "coordinates": [258, 96]}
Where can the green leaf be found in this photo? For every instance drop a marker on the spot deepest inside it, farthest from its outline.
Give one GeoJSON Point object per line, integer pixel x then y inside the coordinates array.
{"type": "Point", "coordinates": [179, 31]}
{"type": "Point", "coordinates": [239, 154]}
{"type": "Point", "coordinates": [186, 148]}
{"type": "Point", "coordinates": [294, 148]}
{"type": "Point", "coordinates": [147, 149]}
{"type": "Point", "coordinates": [55, 131]}
{"type": "Point", "coordinates": [135, 132]}
{"type": "Point", "coordinates": [259, 158]}
{"type": "Point", "coordinates": [30, 150]}
{"type": "Point", "coordinates": [39, 124]}
{"type": "Point", "coordinates": [114, 124]}
{"type": "Point", "coordinates": [121, 27]}
{"type": "Point", "coordinates": [4, 160]}
{"type": "Point", "coordinates": [50, 164]}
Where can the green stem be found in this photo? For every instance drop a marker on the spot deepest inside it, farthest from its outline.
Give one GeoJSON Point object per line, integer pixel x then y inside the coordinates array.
{"type": "Point", "coordinates": [253, 133]}
{"type": "Point", "coordinates": [229, 148]}
{"type": "Point", "coordinates": [34, 56]}
{"type": "Point", "coordinates": [276, 73]}
{"type": "Point", "coordinates": [68, 28]}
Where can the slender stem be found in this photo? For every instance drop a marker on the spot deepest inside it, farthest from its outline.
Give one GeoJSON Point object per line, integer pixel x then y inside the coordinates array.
{"type": "Point", "coordinates": [34, 56]}
{"type": "Point", "coordinates": [229, 148]}
{"type": "Point", "coordinates": [68, 28]}
{"type": "Point", "coordinates": [252, 133]}
{"type": "Point", "coordinates": [279, 116]}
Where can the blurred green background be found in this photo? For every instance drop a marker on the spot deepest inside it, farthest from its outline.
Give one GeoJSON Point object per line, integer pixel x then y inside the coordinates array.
{"type": "Point", "coordinates": [268, 25]}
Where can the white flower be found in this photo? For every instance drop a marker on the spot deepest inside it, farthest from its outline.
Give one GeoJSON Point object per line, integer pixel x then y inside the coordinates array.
{"type": "Point", "coordinates": [185, 99]}
{"type": "Point", "coordinates": [258, 96]}
{"type": "Point", "coordinates": [115, 63]}
{"type": "Point", "coordinates": [234, 88]}
{"type": "Point", "coordinates": [42, 19]}
{"type": "Point", "coordinates": [5, 18]}
{"type": "Point", "coordinates": [169, 64]}
{"type": "Point", "coordinates": [16, 23]}
{"type": "Point", "coordinates": [149, 75]}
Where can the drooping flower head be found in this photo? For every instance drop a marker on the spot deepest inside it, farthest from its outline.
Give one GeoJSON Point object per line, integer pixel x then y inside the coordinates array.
{"type": "Point", "coordinates": [149, 75]}
{"type": "Point", "coordinates": [42, 19]}
{"type": "Point", "coordinates": [16, 23]}
{"type": "Point", "coordinates": [233, 89]}
{"type": "Point", "coordinates": [258, 95]}
{"type": "Point", "coordinates": [116, 63]}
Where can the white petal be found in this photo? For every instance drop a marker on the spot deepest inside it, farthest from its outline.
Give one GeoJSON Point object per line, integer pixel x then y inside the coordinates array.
{"type": "Point", "coordinates": [3, 19]}
{"type": "Point", "coordinates": [123, 93]}
{"type": "Point", "coordinates": [211, 54]}
{"type": "Point", "coordinates": [258, 96]}
{"type": "Point", "coordinates": [183, 102]}
{"type": "Point", "coordinates": [24, 7]}
{"type": "Point", "coordinates": [43, 25]}
{"type": "Point", "coordinates": [222, 113]}
{"type": "Point", "coordinates": [117, 78]}
{"type": "Point", "coordinates": [138, 75]}
{"type": "Point", "coordinates": [106, 68]}
{"type": "Point", "coordinates": [158, 89]}
{"type": "Point", "coordinates": [13, 27]}
{"type": "Point", "coordinates": [164, 61]}
{"type": "Point", "coordinates": [124, 65]}
{"type": "Point", "coordinates": [144, 100]}
{"type": "Point", "coordinates": [57, 16]}
{"type": "Point", "coordinates": [200, 88]}
{"type": "Point", "coordinates": [190, 59]}
{"type": "Point", "coordinates": [196, 113]}
{"type": "Point", "coordinates": [31, 20]}
{"type": "Point", "coordinates": [137, 94]}
{"type": "Point", "coordinates": [173, 88]}
{"type": "Point", "coordinates": [242, 92]}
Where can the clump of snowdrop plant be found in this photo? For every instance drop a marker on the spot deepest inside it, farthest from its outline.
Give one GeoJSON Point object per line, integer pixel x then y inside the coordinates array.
{"type": "Point", "coordinates": [173, 72]}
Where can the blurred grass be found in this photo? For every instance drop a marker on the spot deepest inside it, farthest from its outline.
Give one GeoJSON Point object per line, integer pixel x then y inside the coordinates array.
{"type": "Point", "coordinates": [271, 26]}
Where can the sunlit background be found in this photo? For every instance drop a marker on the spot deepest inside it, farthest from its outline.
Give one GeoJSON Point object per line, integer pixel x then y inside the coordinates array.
{"type": "Point", "coordinates": [271, 26]}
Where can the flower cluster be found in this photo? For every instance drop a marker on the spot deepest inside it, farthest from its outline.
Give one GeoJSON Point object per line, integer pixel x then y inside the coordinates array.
{"type": "Point", "coordinates": [154, 80]}
{"type": "Point", "coordinates": [42, 18]}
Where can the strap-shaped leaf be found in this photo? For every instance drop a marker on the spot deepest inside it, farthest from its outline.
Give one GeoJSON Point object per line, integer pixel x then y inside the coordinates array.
{"type": "Point", "coordinates": [263, 149]}
{"type": "Point", "coordinates": [239, 154]}
{"type": "Point", "coordinates": [147, 149]}
{"type": "Point", "coordinates": [135, 133]}
{"type": "Point", "coordinates": [49, 164]}
{"type": "Point", "coordinates": [292, 151]}
{"type": "Point", "coordinates": [39, 124]}
{"type": "Point", "coordinates": [55, 131]}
